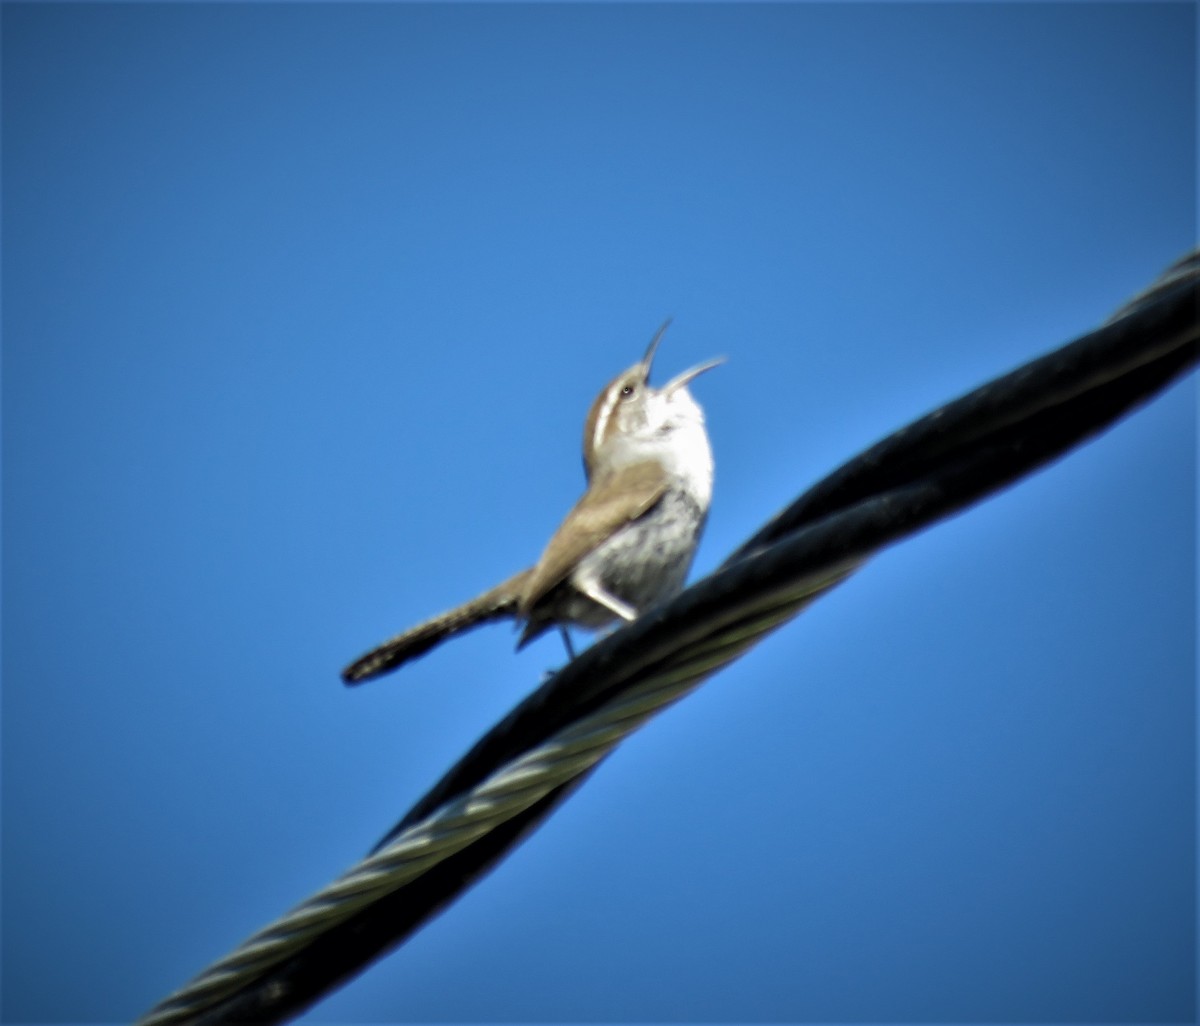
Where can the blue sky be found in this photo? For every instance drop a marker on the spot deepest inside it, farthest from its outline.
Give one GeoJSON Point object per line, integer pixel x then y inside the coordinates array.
{"type": "Point", "coordinates": [303, 310]}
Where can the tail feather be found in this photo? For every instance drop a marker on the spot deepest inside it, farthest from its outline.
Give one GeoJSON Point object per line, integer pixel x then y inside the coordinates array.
{"type": "Point", "coordinates": [499, 603]}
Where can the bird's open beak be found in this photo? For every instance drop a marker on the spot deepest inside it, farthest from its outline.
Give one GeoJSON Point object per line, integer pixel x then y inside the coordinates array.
{"type": "Point", "coordinates": [652, 348]}
{"type": "Point", "coordinates": [682, 379]}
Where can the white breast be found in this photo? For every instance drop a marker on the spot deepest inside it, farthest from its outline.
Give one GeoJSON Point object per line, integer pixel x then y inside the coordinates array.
{"type": "Point", "coordinates": [674, 434]}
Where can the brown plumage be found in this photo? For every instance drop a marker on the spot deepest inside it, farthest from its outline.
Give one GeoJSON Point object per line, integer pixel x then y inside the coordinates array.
{"type": "Point", "coordinates": [626, 544]}
{"type": "Point", "coordinates": [616, 500]}
{"type": "Point", "coordinates": [613, 501]}
{"type": "Point", "coordinates": [500, 603]}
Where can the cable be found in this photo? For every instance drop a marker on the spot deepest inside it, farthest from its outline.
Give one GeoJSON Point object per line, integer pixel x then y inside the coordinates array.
{"type": "Point", "coordinates": [545, 747]}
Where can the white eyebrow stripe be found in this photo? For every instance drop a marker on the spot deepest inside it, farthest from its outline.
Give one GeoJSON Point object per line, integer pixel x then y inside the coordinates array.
{"type": "Point", "coordinates": [605, 413]}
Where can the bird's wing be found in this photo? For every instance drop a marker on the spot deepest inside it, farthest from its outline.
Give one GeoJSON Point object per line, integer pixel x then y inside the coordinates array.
{"type": "Point", "coordinates": [610, 504]}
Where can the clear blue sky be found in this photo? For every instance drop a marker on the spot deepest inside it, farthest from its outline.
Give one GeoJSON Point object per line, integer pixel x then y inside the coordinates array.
{"type": "Point", "coordinates": [303, 309]}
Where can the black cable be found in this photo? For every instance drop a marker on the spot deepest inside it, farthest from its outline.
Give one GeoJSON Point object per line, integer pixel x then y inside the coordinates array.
{"type": "Point", "coordinates": [937, 465]}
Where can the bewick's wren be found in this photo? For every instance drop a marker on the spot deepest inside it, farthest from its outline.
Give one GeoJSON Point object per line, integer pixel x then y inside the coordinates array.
{"type": "Point", "coordinates": [626, 545]}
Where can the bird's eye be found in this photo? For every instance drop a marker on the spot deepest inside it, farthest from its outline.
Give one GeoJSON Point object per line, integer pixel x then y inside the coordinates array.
{"type": "Point", "coordinates": [627, 390]}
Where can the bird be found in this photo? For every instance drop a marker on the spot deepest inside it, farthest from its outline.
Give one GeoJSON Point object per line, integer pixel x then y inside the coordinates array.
{"type": "Point", "coordinates": [626, 545]}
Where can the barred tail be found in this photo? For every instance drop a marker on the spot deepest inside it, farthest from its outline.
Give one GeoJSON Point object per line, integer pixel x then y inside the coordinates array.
{"type": "Point", "coordinates": [499, 603]}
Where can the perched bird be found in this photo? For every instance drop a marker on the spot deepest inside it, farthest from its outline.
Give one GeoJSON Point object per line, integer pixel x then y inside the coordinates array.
{"type": "Point", "coordinates": [628, 542]}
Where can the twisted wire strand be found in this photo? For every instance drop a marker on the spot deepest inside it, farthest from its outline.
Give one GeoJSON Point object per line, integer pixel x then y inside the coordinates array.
{"type": "Point", "coordinates": [926, 471]}
{"type": "Point", "coordinates": [514, 788]}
